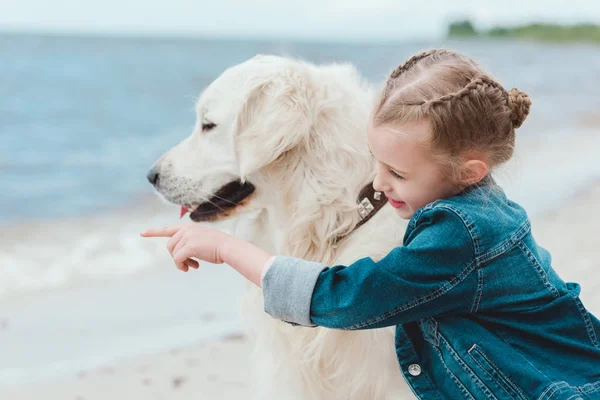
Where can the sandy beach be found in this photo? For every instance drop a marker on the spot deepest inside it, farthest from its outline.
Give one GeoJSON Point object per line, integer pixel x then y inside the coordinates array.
{"type": "Point", "coordinates": [220, 368]}
{"type": "Point", "coordinates": [212, 370]}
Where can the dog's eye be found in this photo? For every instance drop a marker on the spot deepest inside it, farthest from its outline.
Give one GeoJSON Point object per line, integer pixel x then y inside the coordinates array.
{"type": "Point", "coordinates": [207, 125]}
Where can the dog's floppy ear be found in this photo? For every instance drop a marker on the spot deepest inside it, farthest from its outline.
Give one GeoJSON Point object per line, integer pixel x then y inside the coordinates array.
{"type": "Point", "coordinates": [274, 119]}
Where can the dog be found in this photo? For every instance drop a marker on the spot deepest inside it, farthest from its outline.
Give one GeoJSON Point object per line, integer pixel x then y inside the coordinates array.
{"type": "Point", "coordinates": [280, 146]}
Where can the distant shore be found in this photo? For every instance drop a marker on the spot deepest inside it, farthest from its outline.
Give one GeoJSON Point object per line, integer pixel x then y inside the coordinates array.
{"type": "Point", "coordinates": [535, 31]}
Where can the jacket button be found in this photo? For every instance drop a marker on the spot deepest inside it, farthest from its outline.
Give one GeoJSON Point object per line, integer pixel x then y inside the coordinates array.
{"type": "Point", "coordinates": [414, 369]}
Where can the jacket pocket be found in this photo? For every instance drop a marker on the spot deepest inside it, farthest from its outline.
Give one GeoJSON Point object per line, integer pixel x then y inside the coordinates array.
{"type": "Point", "coordinates": [495, 374]}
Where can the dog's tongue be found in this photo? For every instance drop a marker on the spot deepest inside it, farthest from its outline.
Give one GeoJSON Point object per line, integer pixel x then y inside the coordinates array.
{"type": "Point", "coordinates": [184, 211]}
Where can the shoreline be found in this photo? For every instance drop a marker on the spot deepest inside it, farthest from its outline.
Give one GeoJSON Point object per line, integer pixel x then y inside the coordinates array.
{"type": "Point", "coordinates": [83, 251]}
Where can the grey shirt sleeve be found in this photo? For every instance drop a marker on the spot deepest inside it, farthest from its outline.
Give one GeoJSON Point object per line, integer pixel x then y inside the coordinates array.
{"type": "Point", "coordinates": [288, 286]}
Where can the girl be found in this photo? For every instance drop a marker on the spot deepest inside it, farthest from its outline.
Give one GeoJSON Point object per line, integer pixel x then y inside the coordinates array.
{"type": "Point", "coordinates": [479, 311]}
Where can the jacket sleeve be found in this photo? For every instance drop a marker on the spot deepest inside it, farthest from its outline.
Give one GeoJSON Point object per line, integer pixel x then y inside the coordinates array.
{"type": "Point", "coordinates": [430, 275]}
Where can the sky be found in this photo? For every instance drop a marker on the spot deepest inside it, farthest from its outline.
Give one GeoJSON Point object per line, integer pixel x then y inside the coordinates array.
{"type": "Point", "coordinates": [331, 19]}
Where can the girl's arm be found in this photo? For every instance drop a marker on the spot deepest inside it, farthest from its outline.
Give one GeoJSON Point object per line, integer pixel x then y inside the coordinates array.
{"type": "Point", "coordinates": [434, 273]}
{"type": "Point", "coordinates": [246, 258]}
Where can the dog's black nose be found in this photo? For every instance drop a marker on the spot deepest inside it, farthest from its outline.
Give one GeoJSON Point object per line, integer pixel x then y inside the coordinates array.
{"type": "Point", "coordinates": [152, 176]}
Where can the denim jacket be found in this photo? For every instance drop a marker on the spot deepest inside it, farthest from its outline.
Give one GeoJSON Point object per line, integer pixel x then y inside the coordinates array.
{"type": "Point", "coordinates": [479, 311]}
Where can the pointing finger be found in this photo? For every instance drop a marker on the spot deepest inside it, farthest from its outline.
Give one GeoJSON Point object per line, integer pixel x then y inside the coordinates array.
{"type": "Point", "coordinates": [161, 232]}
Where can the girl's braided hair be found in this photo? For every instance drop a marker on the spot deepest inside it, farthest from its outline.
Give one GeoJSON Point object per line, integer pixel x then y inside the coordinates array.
{"type": "Point", "coordinates": [469, 111]}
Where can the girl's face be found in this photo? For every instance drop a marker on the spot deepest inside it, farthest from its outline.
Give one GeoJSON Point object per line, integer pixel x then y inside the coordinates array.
{"type": "Point", "coordinates": [406, 172]}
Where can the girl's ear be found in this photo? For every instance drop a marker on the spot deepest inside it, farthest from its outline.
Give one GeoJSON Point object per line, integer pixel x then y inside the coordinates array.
{"type": "Point", "coordinates": [473, 171]}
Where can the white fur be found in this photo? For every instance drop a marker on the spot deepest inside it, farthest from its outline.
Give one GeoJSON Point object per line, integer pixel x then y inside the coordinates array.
{"type": "Point", "coordinates": [298, 133]}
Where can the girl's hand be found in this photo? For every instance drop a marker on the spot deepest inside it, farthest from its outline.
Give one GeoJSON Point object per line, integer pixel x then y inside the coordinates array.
{"type": "Point", "coordinates": [194, 240]}
{"type": "Point", "coordinates": [191, 240]}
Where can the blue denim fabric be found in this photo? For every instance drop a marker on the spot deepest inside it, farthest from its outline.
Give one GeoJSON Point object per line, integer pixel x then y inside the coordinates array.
{"type": "Point", "coordinates": [479, 311]}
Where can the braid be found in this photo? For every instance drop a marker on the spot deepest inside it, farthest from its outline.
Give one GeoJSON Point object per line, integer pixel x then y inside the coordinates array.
{"type": "Point", "coordinates": [475, 87]}
{"type": "Point", "coordinates": [400, 69]}
{"type": "Point", "coordinates": [518, 102]}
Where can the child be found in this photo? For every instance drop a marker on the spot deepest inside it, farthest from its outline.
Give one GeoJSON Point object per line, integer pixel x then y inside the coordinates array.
{"type": "Point", "coordinates": [479, 311]}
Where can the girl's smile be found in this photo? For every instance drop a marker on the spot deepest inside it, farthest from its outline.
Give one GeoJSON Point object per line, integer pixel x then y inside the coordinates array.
{"type": "Point", "coordinates": [396, 204]}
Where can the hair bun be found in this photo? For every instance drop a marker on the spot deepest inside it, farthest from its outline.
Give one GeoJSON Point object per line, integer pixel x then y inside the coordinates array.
{"type": "Point", "coordinates": [519, 104]}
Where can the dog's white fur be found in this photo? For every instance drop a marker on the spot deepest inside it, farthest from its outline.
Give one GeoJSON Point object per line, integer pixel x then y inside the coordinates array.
{"type": "Point", "coordinates": [298, 133]}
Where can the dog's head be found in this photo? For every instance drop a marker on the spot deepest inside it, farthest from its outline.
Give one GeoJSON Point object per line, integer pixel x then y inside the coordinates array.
{"type": "Point", "coordinates": [245, 120]}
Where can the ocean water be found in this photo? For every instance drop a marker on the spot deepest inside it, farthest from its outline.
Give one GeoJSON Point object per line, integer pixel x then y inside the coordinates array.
{"type": "Point", "coordinates": [83, 118]}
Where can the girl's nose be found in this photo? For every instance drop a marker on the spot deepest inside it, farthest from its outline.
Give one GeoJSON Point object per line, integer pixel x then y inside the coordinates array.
{"type": "Point", "coordinates": [379, 185]}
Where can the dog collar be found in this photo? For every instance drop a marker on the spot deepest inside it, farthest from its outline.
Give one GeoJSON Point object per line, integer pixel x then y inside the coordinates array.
{"type": "Point", "coordinates": [369, 202]}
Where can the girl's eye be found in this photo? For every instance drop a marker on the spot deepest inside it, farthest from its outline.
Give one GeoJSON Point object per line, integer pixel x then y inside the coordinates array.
{"type": "Point", "coordinates": [395, 175]}
{"type": "Point", "coordinates": [207, 125]}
